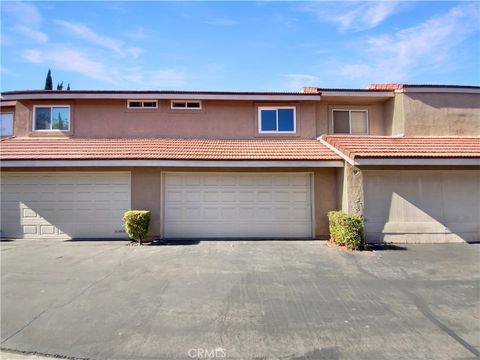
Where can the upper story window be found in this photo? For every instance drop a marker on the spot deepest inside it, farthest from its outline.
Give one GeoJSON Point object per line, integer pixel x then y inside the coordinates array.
{"type": "Point", "coordinates": [190, 105]}
{"type": "Point", "coordinates": [6, 124]}
{"type": "Point", "coordinates": [48, 118]}
{"type": "Point", "coordinates": [354, 122]}
{"type": "Point", "coordinates": [142, 104]}
{"type": "Point", "coordinates": [279, 119]}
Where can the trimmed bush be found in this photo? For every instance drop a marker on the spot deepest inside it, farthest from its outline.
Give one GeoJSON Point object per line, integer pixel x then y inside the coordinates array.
{"type": "Point", "coordinates": [346, 230]}
{"type": "Point", "coordinates": [136, 224]}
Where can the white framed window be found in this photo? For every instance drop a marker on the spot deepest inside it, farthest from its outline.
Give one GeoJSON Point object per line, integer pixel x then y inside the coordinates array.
{"type": "Point", "coordinates": [186, 104]}
{"type": "Point", "coordinates": [6, 124]}
{"type": "Point", "coordinates": [51, 118]}
{"type": "Point", "coordinates": [277, 119]}
{"type": "Point", "coordinates": [142, 104]}
{"type": "Point", "coordinates": [352, 122]}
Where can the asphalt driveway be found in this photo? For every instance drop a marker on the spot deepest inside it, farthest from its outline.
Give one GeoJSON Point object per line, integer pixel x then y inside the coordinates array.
{"type": "Point", "coordinates": [240, 300]}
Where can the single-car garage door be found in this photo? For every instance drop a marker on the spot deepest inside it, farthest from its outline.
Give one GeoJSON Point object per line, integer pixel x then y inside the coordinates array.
{"type": "Point", "coordinates": [64, 205]}
{"type": "Point", "coordinates": [422, 206]}
{"type": "Point", "coordinates": [237, 205]}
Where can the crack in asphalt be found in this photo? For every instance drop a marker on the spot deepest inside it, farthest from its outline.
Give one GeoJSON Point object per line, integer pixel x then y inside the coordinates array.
{"type": "Point", "coordinates": [422, 306]}
{"type": "Point", "coordinates": [76, 296]}
{"type": "Point", "coordinates": [56, 307]}
{"type": "Point", "coordinates": [27, 353]}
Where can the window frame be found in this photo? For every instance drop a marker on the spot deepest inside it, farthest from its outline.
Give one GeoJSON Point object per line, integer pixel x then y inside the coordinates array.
{"type": "Point", "coordinates": [186, 102]}
{"type": "Point", "coordinates": [13, 121]}
{"type": "Point", "coordinates": [349, 121]}
{"type": "Point", "coordinates": [260, 108]}
{"type": "Point", "coordinates": [142, 107]}
{"type": "Point", "coordinates": [51, 114]}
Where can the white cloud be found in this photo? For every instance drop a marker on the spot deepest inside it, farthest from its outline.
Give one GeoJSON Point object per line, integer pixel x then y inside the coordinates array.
{"type": "Point", "coordinates": [156, 79]}
{"type": "Point", "coordinates": [35, 35]}
{"type": "Point", "coordinates": [28, 20]}
{"type": "Point", "coordinates": [295, 82]}
{"type": "Point", "coordinates": [221, 22]}
{"type": "Point", "coordinates": [137, 34]}
{"type": "Point", "coordinates": [70, 60]}
{"type": "Point", "coordinates": [109, 43]}
{"type": "Point", "coordinates": [25, 13]}
{"type": "Point", "coordinates": [77, 61]}
{"type": "Point", "coordinates": [396, 57]}
{"type": "Point", "coordinates": [353, 16]}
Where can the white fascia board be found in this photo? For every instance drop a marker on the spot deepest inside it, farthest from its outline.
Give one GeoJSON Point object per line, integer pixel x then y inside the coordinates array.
{"type": "Point", "coordinates": [417, 161]}
{"type": "Point", "coordinates": [438, 90]}
{"type": "Point", "coordinates": [387, 94]}
{"type": "Point", "coordinates": [170, 163]}
{"type": "Point", "coordinates": [142, 96]}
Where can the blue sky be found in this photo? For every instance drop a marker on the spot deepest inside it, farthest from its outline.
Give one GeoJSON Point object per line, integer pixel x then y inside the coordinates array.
{"type": "Point", "coordinates": [271, 46]}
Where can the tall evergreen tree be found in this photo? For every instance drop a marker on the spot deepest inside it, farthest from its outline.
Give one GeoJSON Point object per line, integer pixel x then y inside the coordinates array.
{"type": "Point", "coordinates": [68, 87]}
{"type": "Point", "coordinates": [58, 86]}
{"type": "Point", "coordinates": [48, 81]}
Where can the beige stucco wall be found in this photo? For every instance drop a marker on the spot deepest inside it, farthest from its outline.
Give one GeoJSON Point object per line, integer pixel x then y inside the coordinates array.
{"type": "Point", "coordinates": [216, 119]}
{"type": "Point", "coordinates": [324, 123]}
{"type": "Point", "coordinates": [433, 114]}
{"type": "Point", "coordinates": [394, 116]}
{"type": "Point", "coordinates": [146, 190]}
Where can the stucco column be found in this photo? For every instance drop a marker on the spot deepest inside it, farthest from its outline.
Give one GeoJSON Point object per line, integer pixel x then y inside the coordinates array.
{"type": "Point", "coordinates": [353, 202]}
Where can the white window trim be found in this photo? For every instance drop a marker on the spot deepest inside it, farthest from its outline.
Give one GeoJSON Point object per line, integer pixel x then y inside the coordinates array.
{"type": "Point", "coordinates": [260, 108]}
{"type": "Point", "coordinates": [51, 122]}
{"type": "Point", "coordinates": [13, 121]}
{"type": "Point", "coordinates": [142, 107]}
{"type": "Point", "coordinates": [350, 121]}
{"type": "Point", "coordinates": [185, 101]}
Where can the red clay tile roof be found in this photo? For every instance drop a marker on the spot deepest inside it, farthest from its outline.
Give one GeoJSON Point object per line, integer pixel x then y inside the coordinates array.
{"type": "Point", "coordinates": [405, 147]}
{"type": "Point", "coordinates": [402, 86]}
{"type": "Point", "coordinates": [385, 86]}
{"type": "Point", "coordinates": [163, 149]}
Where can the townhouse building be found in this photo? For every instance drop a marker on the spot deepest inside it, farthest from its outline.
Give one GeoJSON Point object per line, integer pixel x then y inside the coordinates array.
{"type": "Point", "coordinates": [236, 165]}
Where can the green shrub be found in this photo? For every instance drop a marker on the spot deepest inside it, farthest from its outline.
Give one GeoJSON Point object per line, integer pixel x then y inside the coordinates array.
{"type": "Point", "coordinates": [136, 224]}
{"type": "Point", "coordinates": [346, 230]}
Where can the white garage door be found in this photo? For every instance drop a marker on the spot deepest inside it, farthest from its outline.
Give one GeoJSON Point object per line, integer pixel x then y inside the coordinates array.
{"type": "Point", "coordinates": [237, 205]}
{"type": "Point", "coordinates": [64, 205]}
{"type": "Point", "coordinates": [422, 206]}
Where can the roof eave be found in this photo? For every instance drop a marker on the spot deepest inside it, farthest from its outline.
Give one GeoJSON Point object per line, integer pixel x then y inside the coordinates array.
{"type": "Point", "coordinates": [173, 163]}
{"type": "Point", "coordinates": [425, 161]}
{"type": "Point", "coordinates": [66, 95]}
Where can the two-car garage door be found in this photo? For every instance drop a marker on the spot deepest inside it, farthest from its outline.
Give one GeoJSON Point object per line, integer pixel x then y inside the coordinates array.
{"type": "Point", "coordinates": [67, 205]}
{"type": "Point", "coordinates": [64, 205]}
{"type": "Point", "coordinates": [237, 205]}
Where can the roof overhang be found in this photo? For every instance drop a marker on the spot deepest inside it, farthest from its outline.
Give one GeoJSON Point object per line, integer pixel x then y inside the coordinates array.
{"type": "Point", "coordinates": [71, 95]}
{"type": "Point", "coordinates": [170, 163]}
{"type": "Point", "coordinates": [417, 161]}
{"type": "Point", "coordinates": [458, 90]}
{"type": "Point", "coordinates": [366, 94]}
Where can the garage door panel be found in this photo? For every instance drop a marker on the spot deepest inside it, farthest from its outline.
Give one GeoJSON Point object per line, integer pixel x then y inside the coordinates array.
{"type": "Point", "coordinates": [247, 196]}
{"type": "Point", "coordinates": [64, 205]}
{"type": "Point", "coordinates": [237, 205]}
{"type": "Point", "coordinates": [228, 196]}
{"type": "Point", "coordinates": [264, 196]}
